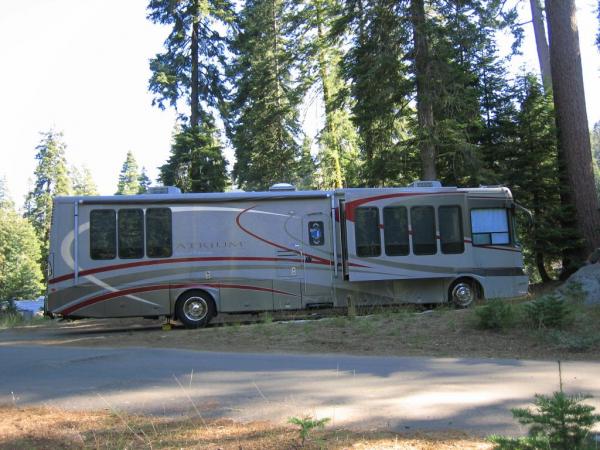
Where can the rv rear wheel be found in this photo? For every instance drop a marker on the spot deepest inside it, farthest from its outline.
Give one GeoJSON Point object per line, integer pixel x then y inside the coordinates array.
{"type": "Point", "coordinates": [194, 309]}
{"type": "Point", "coordinates": [463, 293]}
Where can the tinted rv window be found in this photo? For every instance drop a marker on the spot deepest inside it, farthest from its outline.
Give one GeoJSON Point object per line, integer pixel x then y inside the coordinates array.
{"type": "Point", "coordinates": [368, 238]}
{"type": "Point", "coordinates": [316, 232]}
{"type": "Point", "coordinates": [422, 221]}
{"type": "Point", "coordinates": [451, 232]}
{"type": "Point", "coordinates": [395, 230]}
{"type": "Point", "coordinates": [131, 233]}
{"type": "Point", "coordinates": [103, 234]}
{"type": "Point", "coordinates": [158, 233]}
{"type": "Point", "coordinates": [490, 226]}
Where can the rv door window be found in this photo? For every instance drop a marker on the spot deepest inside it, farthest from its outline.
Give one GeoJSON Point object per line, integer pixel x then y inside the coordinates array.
{"type": "Point", "coordinates": [316, 233]}
{"type": "Point", "coordinates": [103, 234]}
{"type": "Point", "coordinates": [451, 230]}
{"type": "Point", "coordinates": [159, 243]}
{"type": "Point", "coordinates": [490, 226]}
{"type": "Point", "coordinates": [422, 222]}
{"type": "Point", "coordinates": [395, 230]}
{"type": "Point", "coordinates": [368, 237]}
{"type": "Point", "coordinates": [131, 233]}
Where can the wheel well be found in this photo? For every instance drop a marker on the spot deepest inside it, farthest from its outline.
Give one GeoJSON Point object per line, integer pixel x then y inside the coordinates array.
{"type": "Point", "coordinates": [476, 284]}
{"type": "Point", "coordinates": [195, 291]}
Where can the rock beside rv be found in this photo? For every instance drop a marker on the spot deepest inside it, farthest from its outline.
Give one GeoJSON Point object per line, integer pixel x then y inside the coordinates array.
{"type": "Point", "coordinates": [586, 279]}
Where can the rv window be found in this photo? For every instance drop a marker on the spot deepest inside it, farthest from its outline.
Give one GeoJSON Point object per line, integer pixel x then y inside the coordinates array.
{"type": "Point", "coordinates": [422, 222]}
{"type": "Point", "coordinates": [395, 230]}
{"type": "Point", "coordinates": [131, 233]}
{"type": "Point", "coordinates": [368, 237]}
{"type": "Point", "coordinates": [316, 233]}
{"type": "Point", "coordinates": [103, 234]}
{"type": "Point", "coordinates": [158, 233]}
{"type": "Point", "coordinates": [490, 226]}
{"type": "Point", "coordinates": [451, 231]}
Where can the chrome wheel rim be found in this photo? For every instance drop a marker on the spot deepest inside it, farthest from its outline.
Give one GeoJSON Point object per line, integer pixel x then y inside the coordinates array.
{"type": "Point", "coordinates": [463, 294]}
{"type": "Point", "coordinates": [195, 308]}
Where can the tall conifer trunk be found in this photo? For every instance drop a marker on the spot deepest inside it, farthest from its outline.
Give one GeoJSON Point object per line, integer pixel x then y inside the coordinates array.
{"type": "Point", "coordinates": [424, 89]}
{"type": "Point", "coordinates": [541, 43]}
{"type": "Point", "coordinates": [194, 101]}
{"type": "Point", "coordinates": [571, 120]}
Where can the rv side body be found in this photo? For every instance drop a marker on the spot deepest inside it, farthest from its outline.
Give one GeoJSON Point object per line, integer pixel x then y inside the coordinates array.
{"type": "Point", "coordinates": [261, 251]}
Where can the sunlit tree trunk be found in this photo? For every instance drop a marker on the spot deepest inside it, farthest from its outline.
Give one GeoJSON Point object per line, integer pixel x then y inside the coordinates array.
{"type": "Point", "coordinates": [543, 52]}
{"type": "Point", "coordinates": [571, 119]}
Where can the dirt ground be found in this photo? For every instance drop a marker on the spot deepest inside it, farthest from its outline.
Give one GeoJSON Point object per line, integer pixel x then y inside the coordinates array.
{"type": "Point", "coordinates": [443, 332]}
{"type": "Point", "coordinates": [51, 428]}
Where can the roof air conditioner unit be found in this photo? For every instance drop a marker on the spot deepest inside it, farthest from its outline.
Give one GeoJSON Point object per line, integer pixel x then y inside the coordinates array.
{"type": "Point", "coordinates": [163, 190]}
{"type": "Point", "coordinates": [425, 184]}
{"type": "Point", "coordinates": [282, 187]}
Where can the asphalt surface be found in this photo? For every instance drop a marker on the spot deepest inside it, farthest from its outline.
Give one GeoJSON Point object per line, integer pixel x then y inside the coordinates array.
{"type": "Point", "coordinates": [397, 393]}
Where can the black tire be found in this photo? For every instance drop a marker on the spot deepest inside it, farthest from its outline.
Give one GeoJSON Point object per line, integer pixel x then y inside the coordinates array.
{"type": "Point", "coordinates": [463, 293]}
{"type": "Point", "coordinates": [195, 309]}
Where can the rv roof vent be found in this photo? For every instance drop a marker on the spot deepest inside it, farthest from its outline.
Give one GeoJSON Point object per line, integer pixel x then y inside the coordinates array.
{"type": "Point", "coordinates": [163, 190]}
{"type": "Point", "coordinates": [282, 187]}
{"type": "Point", "coordinates": [425, 184]}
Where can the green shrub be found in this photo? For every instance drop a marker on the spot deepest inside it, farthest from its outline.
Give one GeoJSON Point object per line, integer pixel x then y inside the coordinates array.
{"type": "Point", "coordinates": [306, 425]}
{"type": "Point", "coordinates": [574, 292]}
{"type": "Point", "coordinates": [574, 342]}
{"type": "Point", "coordinates": [549, 311]}
{"type": "Point", "coordinates": [558, 422]}
{"type": "Point", "coordinates": [495, 315]}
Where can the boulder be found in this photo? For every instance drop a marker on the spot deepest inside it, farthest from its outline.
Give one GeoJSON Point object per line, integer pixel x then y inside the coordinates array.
{"type": "Point", "coordinates": [588, 280]}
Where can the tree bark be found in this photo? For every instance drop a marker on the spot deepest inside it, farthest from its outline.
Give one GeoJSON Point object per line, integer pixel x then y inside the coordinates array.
{"type": "Point", "coordinates": [194, 101]}
{"type": "Point", "coordinates": [571, 119]}
{"type": "Point", "coordinates": [541, 43]}
{"type": "Point", "coordinates": [424, 89]}
{"type": "Point", "coordinates": [539, 262]}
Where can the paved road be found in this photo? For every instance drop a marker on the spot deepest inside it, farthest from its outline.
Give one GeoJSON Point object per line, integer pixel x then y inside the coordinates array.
{"type": "Point", "coordinates": [360, 392]}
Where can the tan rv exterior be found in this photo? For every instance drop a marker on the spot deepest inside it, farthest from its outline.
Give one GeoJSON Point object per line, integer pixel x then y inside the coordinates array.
{"type": "Point", "coordinates": [192, 256]}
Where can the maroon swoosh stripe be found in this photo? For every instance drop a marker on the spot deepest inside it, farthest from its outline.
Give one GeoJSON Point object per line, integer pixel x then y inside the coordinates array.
{"type": "Point", "coordinates": [150, 288]}
{"type": "Point", "coordinates": [351, 206]}
{"type": "Point", "coordinates": [153, 262]}
{"type": "Point", "coordinates": [316, 259]}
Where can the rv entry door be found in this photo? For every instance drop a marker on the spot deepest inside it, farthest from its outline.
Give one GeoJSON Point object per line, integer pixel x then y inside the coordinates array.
{"type": "Point", "coordinates": [318, 254]}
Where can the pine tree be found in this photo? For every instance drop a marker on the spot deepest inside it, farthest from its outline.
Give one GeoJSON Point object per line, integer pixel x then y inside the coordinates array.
{"type": "Point", "coordinates": [376, 69]}
{"type": "Point", "coordinates": [129, 178]}
{"type": "Point", "coordinates": [533, 177]}
{"type": "Point", "coordinates": [51, 180]}
{"type": "Point", "coordinates": [320, 57]}
{"type": "Point", "coordinates": [192, 65]}
{"type": "Point", "coordinates": [83, 182]}
{"type": "Point", "coordinates": [144, 181]}
{"type": "Point", "coordinates": [20, 271]}
{"type": "Point", "coordinates": [196, 163]}
{"type": "Point", "coordinates": [263, 126]}
{"type": "Point", "coordinates": [192, 69]}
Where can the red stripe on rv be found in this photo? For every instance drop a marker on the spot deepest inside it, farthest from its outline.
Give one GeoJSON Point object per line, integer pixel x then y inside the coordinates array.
{"type": "Point", "coordinates": [315, 259]}
{"type": "Point", "coordinates": [351, 206]}
{"type": "Point", "coordinates": [138, 290]}
{"type": "Point", "coordinates": [153, 262]}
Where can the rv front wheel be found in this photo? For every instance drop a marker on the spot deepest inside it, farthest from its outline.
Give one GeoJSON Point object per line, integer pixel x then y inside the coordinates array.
{"type": "Point", "coordinates": [463, 293]}
{"type": "Point", "coordinates": [194, 309]}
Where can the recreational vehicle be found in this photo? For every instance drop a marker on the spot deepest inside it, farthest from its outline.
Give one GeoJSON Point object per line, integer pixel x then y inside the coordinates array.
{"type": "Point", "coordinates": [193, 256]}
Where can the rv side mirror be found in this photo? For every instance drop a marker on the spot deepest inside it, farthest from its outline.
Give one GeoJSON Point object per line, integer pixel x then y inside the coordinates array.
{"type": "Point", "coordinates": [529, 221]}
